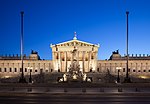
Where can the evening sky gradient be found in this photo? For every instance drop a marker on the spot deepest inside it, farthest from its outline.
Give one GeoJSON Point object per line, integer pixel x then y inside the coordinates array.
{"type": "Point", "coordinates": [95, 21]}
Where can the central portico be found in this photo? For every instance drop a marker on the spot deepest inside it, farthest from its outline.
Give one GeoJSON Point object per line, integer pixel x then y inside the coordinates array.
{"type": "Point", "coordinates": [86, 55]}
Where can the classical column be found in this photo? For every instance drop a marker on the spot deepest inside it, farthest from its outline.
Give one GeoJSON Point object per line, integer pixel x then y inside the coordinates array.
{"type": "Point", "coordinates": [78, 57]}
{"type": "Point", "coordinates": [115, 68]}
{"type": "Point", "coordinates": [131, 68]}
{"type": "Point", "coordinates": [96, 61]}
{"type": "Point", "coordinates": [13, 68]}
{"type": "Point", "coordinates": [105, 67]}
{"type": "Point", "coordinates": [146, 66]}
{"type": "Point", "coordinates": [141, 67]}
{"type": "Point", "coordinates": [83, 61]}
{"type": "Point", "coordinates": [110, 68]}
{"type": "Point", "coordinates": [136, 68]}
{"type": "Point", "coordinates": [66, 61]}
{"type": "Point", "coordinates": [60, 61]}
{"type": "Point", "coordinates": [33, 68]}
{"type": "Point", "coordinates": [71, 57]}
{"type": "Point", "coordinates": [38, 67]}
{"type": "Point", "coordinates": [89, 60]}
{"type": "Point", "coordinates": [121, 68]}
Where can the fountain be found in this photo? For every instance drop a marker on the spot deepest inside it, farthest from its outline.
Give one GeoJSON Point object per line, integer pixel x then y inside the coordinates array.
{"type": "Point", "coordinates": [74, 74]}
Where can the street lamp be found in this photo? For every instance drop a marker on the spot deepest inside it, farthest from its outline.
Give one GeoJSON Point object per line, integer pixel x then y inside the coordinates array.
{"type": "Point", "coordinates": [127, 78]}
{"type": "Point", "coordinates": [118, 77]}
{"type": "Point", "coordinates": [30, 77]}
{"type": "Point", "coordinates": [22, 78]}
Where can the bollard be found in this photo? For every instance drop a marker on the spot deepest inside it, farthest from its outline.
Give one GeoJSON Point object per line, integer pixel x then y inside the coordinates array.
{"type": "Point", "coordinates": [29, 89]}
{"type": "Point", "coordinates": [65, 90]}
{"type": "Point", "coordinates": [119, 89]}
{"type": "Point", "coordinates": [47, 90]}
{"type": "Point", "coordinates": [137, 90]}
{"type": "Point", "coordinates": [101, 90]}
{"type": "Point", "coordinates": [84, 90]}
{"type": "Point", "coordinates": [13, 89]}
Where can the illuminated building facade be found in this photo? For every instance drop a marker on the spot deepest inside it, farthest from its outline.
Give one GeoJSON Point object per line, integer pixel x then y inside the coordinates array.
{"type": "Point", "coordinates": [139, 65]}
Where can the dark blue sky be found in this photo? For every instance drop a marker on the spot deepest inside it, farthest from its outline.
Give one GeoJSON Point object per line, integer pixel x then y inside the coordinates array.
{"type": "Point", "coordinates": [95, 21]}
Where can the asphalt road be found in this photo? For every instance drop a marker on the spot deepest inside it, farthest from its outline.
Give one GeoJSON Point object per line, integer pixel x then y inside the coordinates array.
{"type": "Point", "coordinates": [7, 98]}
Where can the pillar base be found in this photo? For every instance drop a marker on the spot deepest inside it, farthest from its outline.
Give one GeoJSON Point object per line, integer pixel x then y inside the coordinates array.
{"type": "Point", "coordinates": [127, 80]}
{"type": "Point", "coordinates": [118, 80]}
{"type": "Point", "coordinates": [22, 80]}
{"type": "Point", "coordinates": [30, 80]}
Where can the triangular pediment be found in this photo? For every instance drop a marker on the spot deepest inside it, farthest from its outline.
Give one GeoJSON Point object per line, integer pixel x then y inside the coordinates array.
{"type": "Point", "coordinates": [75, 43]}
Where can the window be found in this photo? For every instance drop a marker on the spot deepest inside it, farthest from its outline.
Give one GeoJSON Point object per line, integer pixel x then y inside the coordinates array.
{"type": "Point", "coordinates": [129, 70]}
{"type": "Point", "coordinates": [20, 69]}
{"type": "Point", "coordinates": [46, 70]}
{"type": "Point", "coordinates": [63, 59]}
{"type": "Point", "coordinates": [51, 70]}
{"type": "Point", "coordinates": [139, 70]}
{"type": "Point", "coordinates": [15, 69]}
{"type": "Point", "coordinates": [35, 70]}
{"type": "Point", "coordinates": [25, 69]}
{"type": "Point", "coordinates": [58, 70]}
{"type": "Point", "coordinates": [97, 69]}
{"type": "Point", "coordinates": [149, 70]}
{"type": "Point", "coordinates": [144, 70]}
{"type": "Point", "coordinates": [123, 69]}
{"type": "Point", "coordinates": [10, 70]}
{"type": "Point", "coordinates": [86, 59]}
{"type": "Point", "coordinates": [41, 70]}
{"type": "Point", "coordinates": [0, 69]}
{"type": "Point", "coordinates": [133, 70]}
{"type": "Point", "coordinates": [5, 70]}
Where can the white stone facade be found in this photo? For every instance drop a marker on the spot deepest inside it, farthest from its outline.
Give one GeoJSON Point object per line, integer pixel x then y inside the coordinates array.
{"type": "Point", "coordinates": [86, 56]}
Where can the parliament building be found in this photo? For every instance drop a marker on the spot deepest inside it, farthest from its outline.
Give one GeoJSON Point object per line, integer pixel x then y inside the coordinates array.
{"type": "Point", "coordinates": [139, 65]}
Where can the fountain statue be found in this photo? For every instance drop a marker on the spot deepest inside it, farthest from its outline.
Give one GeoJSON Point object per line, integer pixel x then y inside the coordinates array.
{"type": "Point", "coordinates": [74, 74]}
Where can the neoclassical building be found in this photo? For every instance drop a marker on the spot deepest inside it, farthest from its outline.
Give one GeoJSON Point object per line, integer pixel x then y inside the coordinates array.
{"type": "Point", "coordinates": [139, 65]}
{"type": "Point", "coordinates": [86, 55]}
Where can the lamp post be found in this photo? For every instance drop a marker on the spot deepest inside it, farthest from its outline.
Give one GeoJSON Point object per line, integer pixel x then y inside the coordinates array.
{"type": "Point", "coordinates": [127, 78]}
{"type": "Point", "coordinates": [22, 78]}
{"type": "Point", "coordinates": [30, 77]}
{"type": "Point", "coordinates": [118, 78]}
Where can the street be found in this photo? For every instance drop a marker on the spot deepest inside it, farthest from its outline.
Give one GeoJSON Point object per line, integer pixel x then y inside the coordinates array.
{"type": "Point", "coordinates": [74, 98]}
